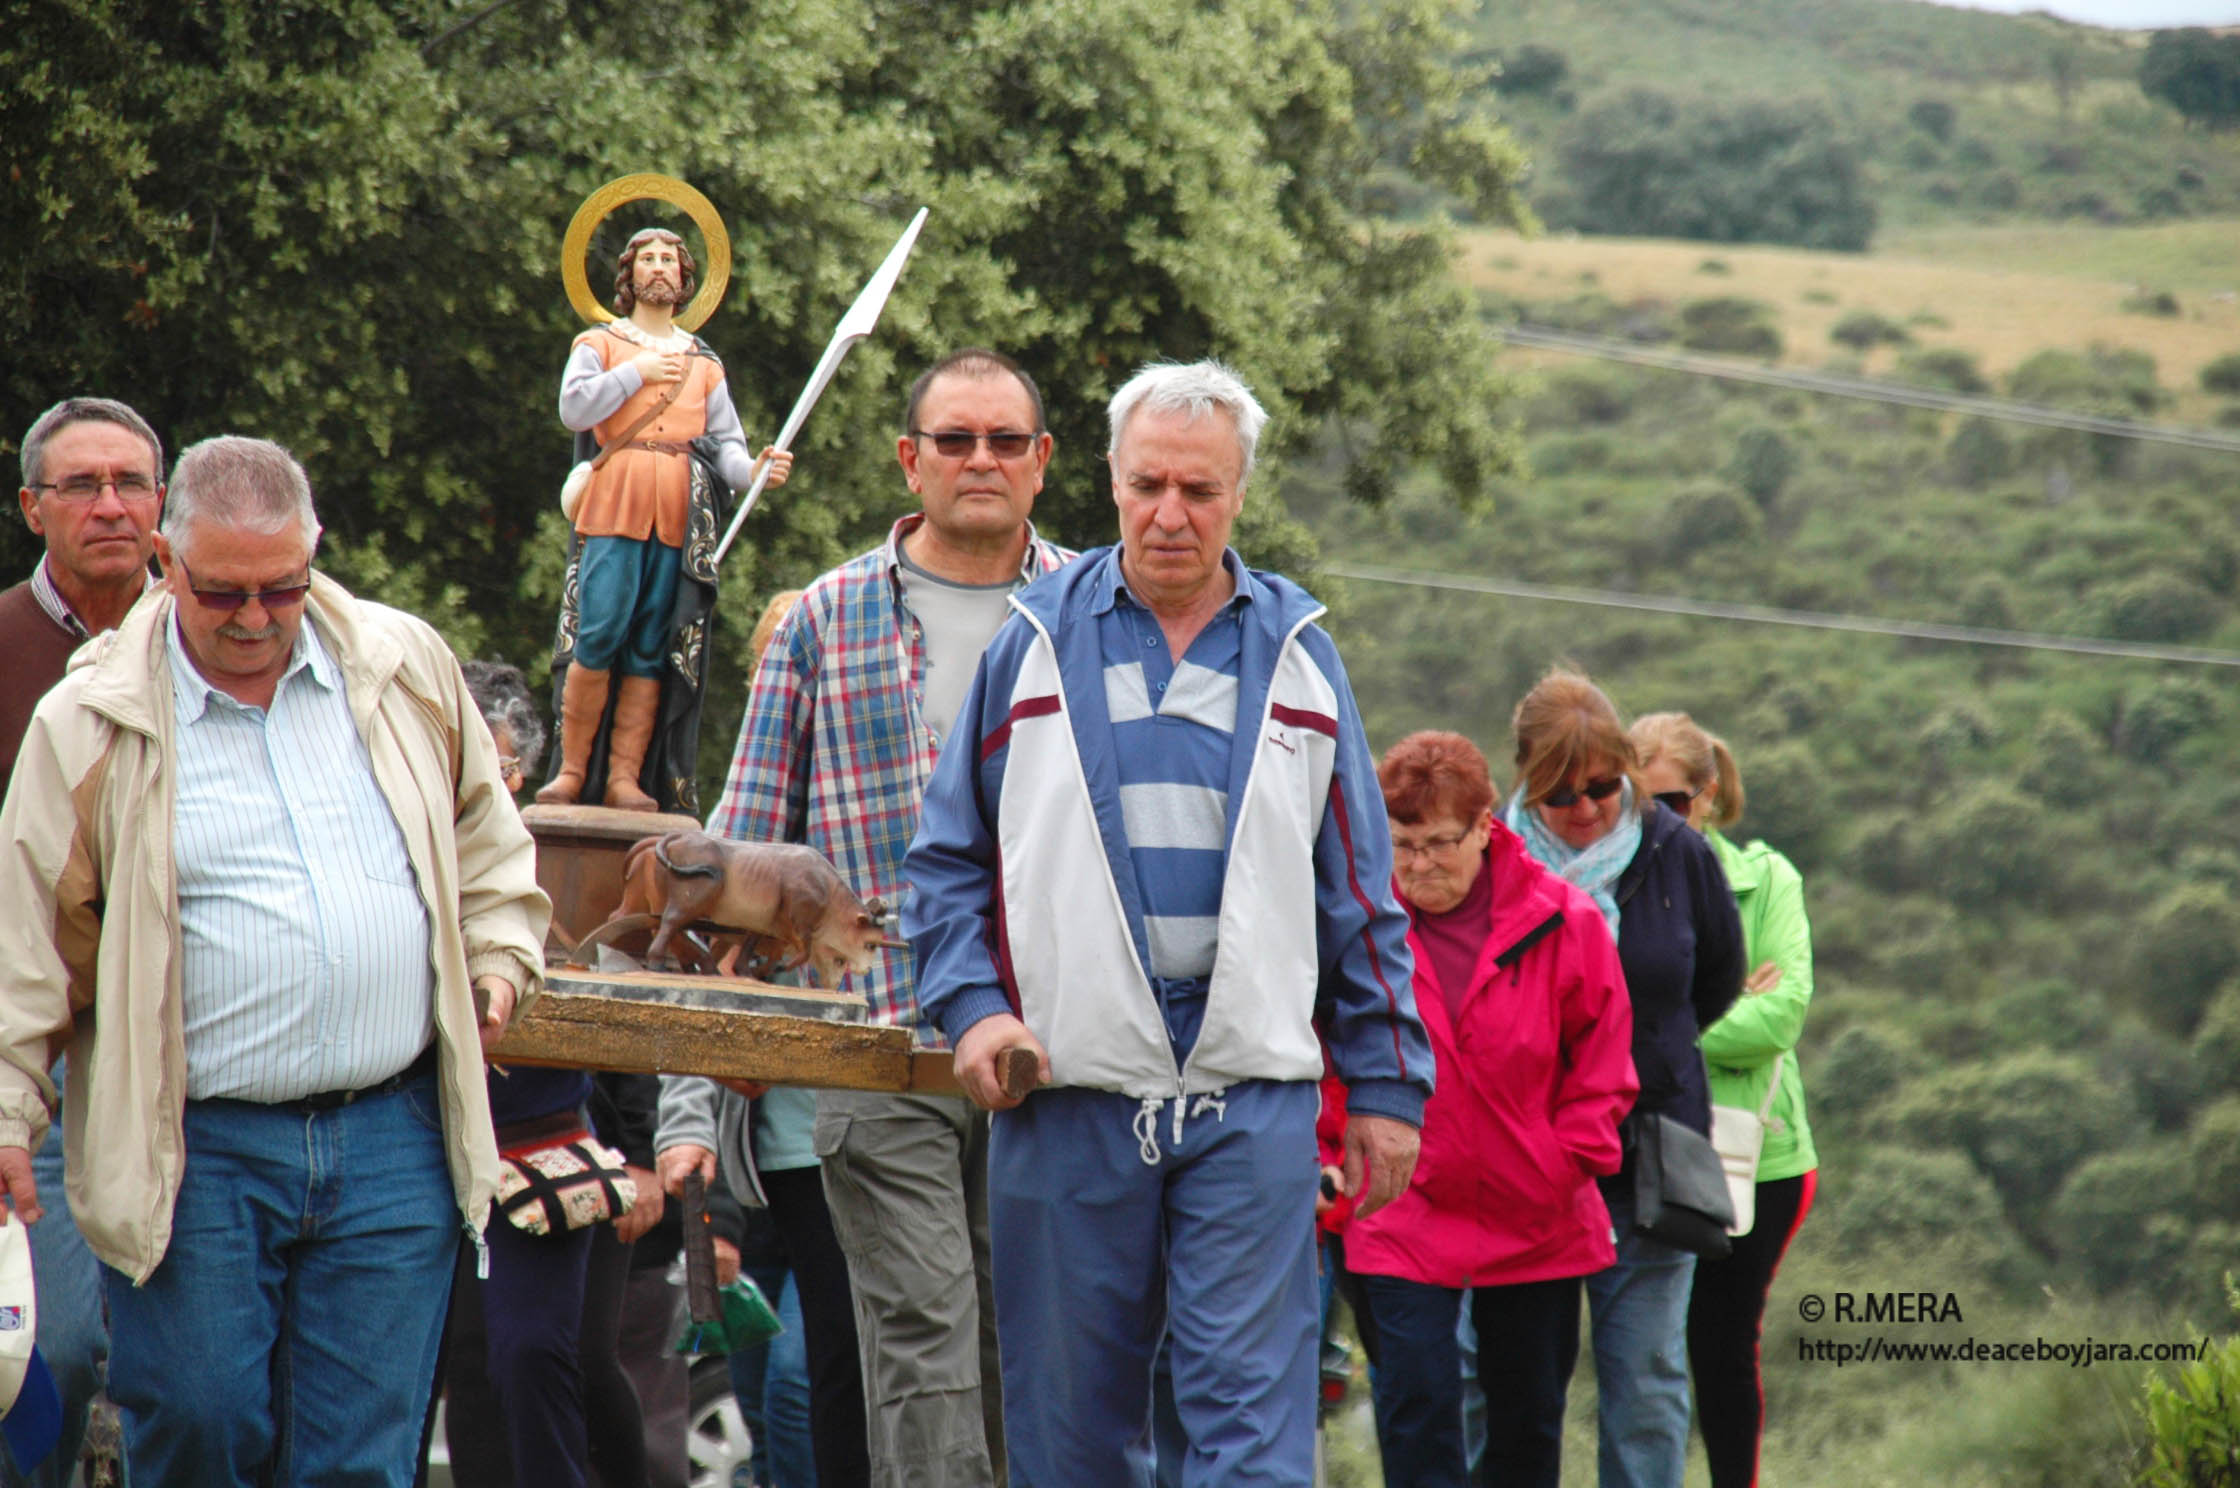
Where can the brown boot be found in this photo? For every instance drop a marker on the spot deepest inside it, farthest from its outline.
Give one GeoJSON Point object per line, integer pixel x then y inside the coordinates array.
{"type": "Point", "coordinates": [583, 698]}
{"type": "Point", "coordinates": [634, 708]}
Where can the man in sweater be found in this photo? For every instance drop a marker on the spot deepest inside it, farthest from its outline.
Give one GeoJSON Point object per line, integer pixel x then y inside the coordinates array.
{"type": "Point", "coordinates": [1155, 855]}
{"type": "Point", "coordinates": [92, 485]}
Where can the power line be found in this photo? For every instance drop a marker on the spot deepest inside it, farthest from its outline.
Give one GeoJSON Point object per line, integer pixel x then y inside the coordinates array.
{"type": "Point", "coordinates": [1714, 609]}
{"type": "Point", "coordinates": [1736, 370]}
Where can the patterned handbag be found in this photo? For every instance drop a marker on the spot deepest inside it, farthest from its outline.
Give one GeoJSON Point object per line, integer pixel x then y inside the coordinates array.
{"type": "Point", "coordinates": [563, 1182]}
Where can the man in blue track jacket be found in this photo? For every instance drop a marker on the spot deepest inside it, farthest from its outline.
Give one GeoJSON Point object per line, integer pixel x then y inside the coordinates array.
{"type": "Point", "coordinates": [1154, 852]}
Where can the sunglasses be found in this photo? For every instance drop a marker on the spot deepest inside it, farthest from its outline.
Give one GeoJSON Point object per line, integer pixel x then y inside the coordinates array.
{"type": "Point", "coordinates": [1677, 801]}
{"type": "Point", "coordinates": [957, 443]}
{"type": "Point", "coordinates": [234, 599]}
{"type": "Point", "coordinates": [1593, 790]}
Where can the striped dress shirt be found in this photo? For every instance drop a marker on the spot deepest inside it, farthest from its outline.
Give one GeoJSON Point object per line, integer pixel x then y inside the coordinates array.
{"type": "Point", "coordinates": [306, 961]}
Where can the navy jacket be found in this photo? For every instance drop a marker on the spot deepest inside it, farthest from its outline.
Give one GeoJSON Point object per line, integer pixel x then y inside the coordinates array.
{"type": "Point", "coordinates": [1680, 941]}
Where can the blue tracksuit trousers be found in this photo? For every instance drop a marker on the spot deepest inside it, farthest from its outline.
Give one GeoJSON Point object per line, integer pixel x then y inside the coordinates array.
{"type": "Point", "coordinates": [1115, 1221]}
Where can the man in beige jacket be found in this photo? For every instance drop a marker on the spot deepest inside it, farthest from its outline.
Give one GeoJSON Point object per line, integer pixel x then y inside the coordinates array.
{"type": "Point", "coordinates": [256, 875]}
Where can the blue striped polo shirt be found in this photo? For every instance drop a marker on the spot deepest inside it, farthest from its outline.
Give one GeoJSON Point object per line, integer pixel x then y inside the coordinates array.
{"type": "Point", "coordinates": [1173, 725]}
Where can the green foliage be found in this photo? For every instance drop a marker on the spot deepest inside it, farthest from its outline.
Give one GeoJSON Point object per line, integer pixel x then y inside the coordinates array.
{"type": "Point", "coordinates": [1979, 454]}
{"type": "Point", "coordinates": [1933, 117]}
{"type": "Point", "coordinates": [1766, 171]}
{"type": "Point", "coordinates": [2025, 1120]}
{"type": "Point", "coordinates": [1947, 367]}
{"type": "Point", "coordinates": [1859, 1069]}
{"type": "Point", "coordinates": [2223, 374]}
{"type": "Point", "coordinates": [2197, 72]}
{"type": "Point", "coordinates": [1533, 69]}
{"type": "Point", "coordinates": [1707, 516]}
{"type": "Point", "coordinates": [2104, 1218]}
{"type": "Point", "coordinates": [2192, 1415]}
{"type": "Point", "coordinates": [1730, 324]}
{"type": "Point", "coordinates": [2162, 607]}
{"type": "Point", "coordinates": [1916, 1197]}
{"type": "Point", "coordinates": [1762, 464]}
{"type": "Point", "coordinates": [2114, 380]}
{"type": "Point", "coordinates": [2189, 946]}
{"type": "Point", "coordinates": [335, 224]}
{"type": "Point", "coordinates": [2212, 1149]}
{"type": "Point", "coordinates": [1864, 330]}
{"type": "Point", "coordinates": [2216, 1039]}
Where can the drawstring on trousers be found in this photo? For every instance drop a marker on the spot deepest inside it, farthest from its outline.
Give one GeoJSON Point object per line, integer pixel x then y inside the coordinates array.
{"type": "Point", "coordinates": [1146, 1124]}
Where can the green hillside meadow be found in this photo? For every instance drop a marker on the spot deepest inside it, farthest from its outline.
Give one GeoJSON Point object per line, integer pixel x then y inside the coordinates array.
{"type": "Point", "coordinates": [2023, 866]}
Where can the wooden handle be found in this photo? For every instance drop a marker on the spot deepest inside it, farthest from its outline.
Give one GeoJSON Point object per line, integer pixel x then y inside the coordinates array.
{"type": "Point", "coordinates": [1018, 1071]}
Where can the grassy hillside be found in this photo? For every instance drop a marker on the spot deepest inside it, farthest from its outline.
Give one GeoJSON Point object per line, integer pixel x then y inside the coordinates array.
{"type": "Point", "coordinates": [2023, 868]}
{"type": "Point", "coordinates": [2001, 295]}
{"type": "Point", "coordinates": [2045, 119]}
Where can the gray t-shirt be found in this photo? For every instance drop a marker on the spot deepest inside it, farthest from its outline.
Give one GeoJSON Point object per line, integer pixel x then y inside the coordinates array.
{"type": "Point", "coordinates": [957, 621]}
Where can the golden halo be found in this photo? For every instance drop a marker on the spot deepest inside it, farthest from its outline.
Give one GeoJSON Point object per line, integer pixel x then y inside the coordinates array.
{"type": "Point", "coordinates": [647, 186]}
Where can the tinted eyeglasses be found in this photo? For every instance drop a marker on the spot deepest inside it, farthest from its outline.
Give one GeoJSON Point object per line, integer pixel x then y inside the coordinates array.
{"type": "Point", "coordinates": [1677, 801]}
{"type": "Point", "coordinates": [957, 443]}
{"type": "Point", "coordinates": [1593, 790]}
{"type": "Point", "coordinates": [234, 599]}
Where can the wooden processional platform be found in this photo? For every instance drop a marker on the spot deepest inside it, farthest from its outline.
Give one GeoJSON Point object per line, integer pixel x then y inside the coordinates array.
{"type": "Point", "coordinates": [603, 1017]}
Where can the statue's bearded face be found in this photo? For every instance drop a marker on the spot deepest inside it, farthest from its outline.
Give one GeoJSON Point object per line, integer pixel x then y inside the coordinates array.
{"type": "Point", "coordinates": [656, 274]}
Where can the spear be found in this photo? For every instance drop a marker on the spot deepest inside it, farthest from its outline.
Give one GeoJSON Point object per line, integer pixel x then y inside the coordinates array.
{"type": "Point", "coordinates": [862, 318]}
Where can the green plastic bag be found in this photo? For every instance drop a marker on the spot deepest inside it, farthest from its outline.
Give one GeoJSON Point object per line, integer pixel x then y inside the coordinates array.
{"type": "Point", "coordinates": [748, 1319]}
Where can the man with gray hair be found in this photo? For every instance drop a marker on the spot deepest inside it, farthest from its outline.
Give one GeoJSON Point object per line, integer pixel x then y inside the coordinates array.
{"type": "Point", "coordinates": [1154, 853]}
{"type": "Point", "coordinates": [260, 871]}
{"type": "Point", "coordinates": [92, 487]}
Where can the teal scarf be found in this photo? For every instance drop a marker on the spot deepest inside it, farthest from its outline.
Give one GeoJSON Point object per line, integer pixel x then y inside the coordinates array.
{"type": "Point", "coordinates": [1595, 867]}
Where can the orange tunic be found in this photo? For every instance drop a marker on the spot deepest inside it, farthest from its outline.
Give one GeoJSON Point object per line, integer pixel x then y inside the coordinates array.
{"type": "Point", "coordinates": [641, 492]}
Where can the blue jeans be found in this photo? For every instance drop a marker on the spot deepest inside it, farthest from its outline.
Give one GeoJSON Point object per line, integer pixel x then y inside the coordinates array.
{"type": "Point", "coordinates": [771, 1383]}
{"type": "Point", "coordinates": [1640, 1312]}
{"type": "Point", "coordinates": [73, 1333]}
{"type": "Point", "coordinates": [289, 1334]}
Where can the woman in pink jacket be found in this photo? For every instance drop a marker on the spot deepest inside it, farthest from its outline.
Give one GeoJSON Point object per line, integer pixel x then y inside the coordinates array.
{"type": "Point", "coordinates": [1519, 985]}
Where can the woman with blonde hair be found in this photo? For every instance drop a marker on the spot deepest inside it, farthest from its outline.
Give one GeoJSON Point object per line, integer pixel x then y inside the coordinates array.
{"type": "Point", "coordinates": [1580, 807]}
{"type": "Point", "coordinates": [1752, 1057]}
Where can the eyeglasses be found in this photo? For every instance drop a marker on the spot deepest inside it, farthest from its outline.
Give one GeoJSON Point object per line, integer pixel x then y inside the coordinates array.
{"type": "Point", "coordinates": [89, 487]}
{"type": "Point", "coordinates": [1429, 847]}
{"type": "Point", "coordinates": [234, 599]}
{"type": "Point", "coordinates": [1677, 801]}
{"type": "Point", "coordinates": [1593, 790]}
{"type": "Point", "coordinates": [958, 443]}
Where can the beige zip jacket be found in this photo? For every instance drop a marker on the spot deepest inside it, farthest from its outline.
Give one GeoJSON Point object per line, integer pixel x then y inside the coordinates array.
{"type": "Point", "coordinates": [89, 910]}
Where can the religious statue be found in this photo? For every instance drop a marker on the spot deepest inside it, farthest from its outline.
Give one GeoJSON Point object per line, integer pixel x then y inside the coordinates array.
{"type": "Point", "coordinates": [659, 449]}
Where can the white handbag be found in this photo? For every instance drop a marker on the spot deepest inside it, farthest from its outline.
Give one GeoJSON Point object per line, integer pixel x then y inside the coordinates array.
{"type": "Point", "coordinates": [1739, 1135]}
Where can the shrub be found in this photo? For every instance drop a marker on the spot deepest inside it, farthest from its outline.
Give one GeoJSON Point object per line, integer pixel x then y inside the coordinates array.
{"type": "Point", "coordinates": [2187, 949]}
{"type": "Point", "coordinates": [1762, 464]}
{"type": "Point", "coordinates": [1650, 163]}
{"type": "Point", "coordinates": [2151, 302]}
{"type": "Point", "coordinates": [2161, 607]}
{"type": "Point", "coordinates": [1978, 455]}
{"type": "Point", "coordinates": [1730, 324]}
{"type": "Point", "coordinates": [2223, 374]}
{"type": "Point", "coordinates": [1533, 69]}
{"type": "Point", "coordinates": [2001, 192]}
{"type": "Point", "coordinates": [2102, 1217]}
{"type": "Point", "coordinates": [2213, 1155]}
{"type": "Point", "coordinates": [1943, 366]}
{"type": "Point", "coordinates": [1865, 330]}
{"type": "Point", "coordinates": [1933, 117]}
{"type": "Point", "coordinates": [1704, 516]}
{"type": "Point", "coordinates": [2026, 1119]}
{"type": "Point", "coordinates": [2193, 1418]}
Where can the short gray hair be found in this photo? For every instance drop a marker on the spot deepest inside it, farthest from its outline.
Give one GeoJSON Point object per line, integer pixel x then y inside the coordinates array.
{"type": "Point", "coordinates": [1192, 389]}
{"type": "Point", "coordinates": [251, 485]}
{"type": "Point", "coordinates": [501, 695]}
{"type": "Point", "coordinates": [82, 411]}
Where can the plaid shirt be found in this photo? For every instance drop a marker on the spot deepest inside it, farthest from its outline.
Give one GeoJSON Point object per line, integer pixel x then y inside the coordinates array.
{"type": "Point", "coordinates": [835, 751]}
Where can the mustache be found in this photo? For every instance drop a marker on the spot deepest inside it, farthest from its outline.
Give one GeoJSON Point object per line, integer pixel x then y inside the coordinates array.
{"type": "Point", "coordinates": [233, 632]}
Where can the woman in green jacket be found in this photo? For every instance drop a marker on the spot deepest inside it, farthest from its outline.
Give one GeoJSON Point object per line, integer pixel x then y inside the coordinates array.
{"type": "Point", "coordinates": [1751, 1053]}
